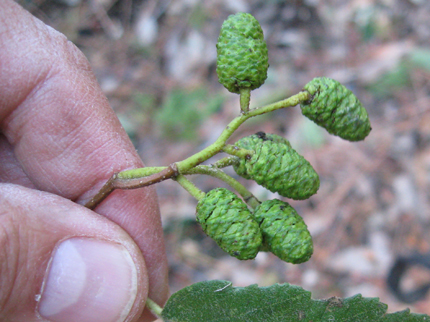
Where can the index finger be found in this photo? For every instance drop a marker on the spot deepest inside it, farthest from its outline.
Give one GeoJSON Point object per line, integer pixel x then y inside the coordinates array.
{"type": "Point", "coordinates": [64, 134]}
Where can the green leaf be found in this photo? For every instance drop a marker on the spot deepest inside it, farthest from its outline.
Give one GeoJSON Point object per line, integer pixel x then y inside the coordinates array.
{"type": "Point", "coordinates": [219, 301]}
{"type": "Point", "coordinates": [355, 308]}
{"type": "Point", "coordinates": [404, 316]}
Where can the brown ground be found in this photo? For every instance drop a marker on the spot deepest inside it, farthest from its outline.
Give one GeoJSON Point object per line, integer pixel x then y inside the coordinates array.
{"type": "Point", "coordinates": [156, 62]}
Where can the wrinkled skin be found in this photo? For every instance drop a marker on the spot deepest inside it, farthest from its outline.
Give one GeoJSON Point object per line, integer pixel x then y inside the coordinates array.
{"type": "Point", "coordinates": [59, 142]}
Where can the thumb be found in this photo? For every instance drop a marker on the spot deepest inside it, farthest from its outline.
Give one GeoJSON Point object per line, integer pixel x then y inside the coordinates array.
{"type": "Point", "coordinates": [62, 262]}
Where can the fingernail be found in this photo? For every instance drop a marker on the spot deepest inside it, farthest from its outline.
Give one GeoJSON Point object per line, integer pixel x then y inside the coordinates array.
{"type": "Point", "coordinates": [88, 280]}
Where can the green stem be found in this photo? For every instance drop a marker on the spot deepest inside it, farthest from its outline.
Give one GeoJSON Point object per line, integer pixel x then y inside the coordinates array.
{"type": "Point", "coordinates": [154, 307]}
{"type": "Point", "coordinates": [137, 178]}
{"type": "Point", "coordinates": [288, 102]}
{"type": "Point", "coordinates": [139, 173]}
{"type": "Point", "coordinates": [247, 196]}
{"type": "Point", "coordinates": [225, 162]}
{"type": "Point", "coordinates": [218, 145]}
{"type": "Point", "coordinates": [245, 97]}
{"type": "Point", "coordinates": [190, 187]}
{"type": "Point", "coordinates": [237, 152]}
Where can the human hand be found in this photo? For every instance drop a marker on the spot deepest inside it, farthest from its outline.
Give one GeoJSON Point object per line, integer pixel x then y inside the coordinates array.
{"type": "Point", "coordinates": [59, 142]}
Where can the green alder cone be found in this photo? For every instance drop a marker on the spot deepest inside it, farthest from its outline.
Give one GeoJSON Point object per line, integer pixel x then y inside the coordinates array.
{"type": "Point", "coordinates": [242, 59]}
{"type": "Point", "coordinates": [225, 218]}
{"type": "Point", "coordinates": [337, 109]}
{"type": "Point", "coordinates": [285, 234]}
{"type": "Point", "coordinates": [276, 166]}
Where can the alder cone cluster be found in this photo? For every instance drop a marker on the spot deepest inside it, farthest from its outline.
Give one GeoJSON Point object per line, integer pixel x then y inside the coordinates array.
{"type": "Point", "coordinates": [285, 234]}
{"type": "Point", "coordinates": [276, 166]}
{"type": "Point", "coordinates": [242, 58]}
{"type": "Point", "coordinates": [225, 218]}
{"type": "Point", "coordinates": [336, 108]}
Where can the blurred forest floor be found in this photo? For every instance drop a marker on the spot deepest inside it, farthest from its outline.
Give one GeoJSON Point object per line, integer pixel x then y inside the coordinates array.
{"type": "Point", "coordinates": [156, 61]}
